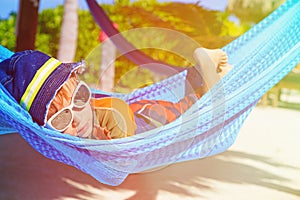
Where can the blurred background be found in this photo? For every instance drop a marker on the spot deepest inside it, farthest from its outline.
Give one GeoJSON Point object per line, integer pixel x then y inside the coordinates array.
{"type": "Point", "coordinates": [65, 29]}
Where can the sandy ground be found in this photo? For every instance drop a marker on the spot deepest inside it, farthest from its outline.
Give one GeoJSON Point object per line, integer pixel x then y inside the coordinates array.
{"type": "Point", "coordinates": [264, 163]}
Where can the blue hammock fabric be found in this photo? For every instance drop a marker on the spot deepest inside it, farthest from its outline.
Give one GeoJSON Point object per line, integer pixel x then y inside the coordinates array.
{"type": "Point", "coordinates": [262, 57]}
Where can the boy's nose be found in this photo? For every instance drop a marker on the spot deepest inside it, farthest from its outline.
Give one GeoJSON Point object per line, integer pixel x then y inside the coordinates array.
{"type": "Point", "coordinates": [76, 118]}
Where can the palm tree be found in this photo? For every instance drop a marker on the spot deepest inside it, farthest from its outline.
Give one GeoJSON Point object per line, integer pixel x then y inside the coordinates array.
{"type": "Point", "coordinates": [108, 56]}
{"type": "Point", "coordinates": [69, 32]}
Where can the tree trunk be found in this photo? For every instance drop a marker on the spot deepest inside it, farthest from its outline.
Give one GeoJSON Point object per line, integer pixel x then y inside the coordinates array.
{"type": "Point", "coordinates": [27, 22]}
{"type": "Point", "coordinates": [69, 32]}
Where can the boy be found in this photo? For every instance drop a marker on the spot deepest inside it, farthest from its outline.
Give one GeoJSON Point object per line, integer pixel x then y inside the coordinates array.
{"type": "Point", "coordinates": [50, 92]}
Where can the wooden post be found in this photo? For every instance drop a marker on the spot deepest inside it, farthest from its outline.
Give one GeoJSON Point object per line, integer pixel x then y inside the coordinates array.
{"type": "Point", "coordinates": [27, 22]}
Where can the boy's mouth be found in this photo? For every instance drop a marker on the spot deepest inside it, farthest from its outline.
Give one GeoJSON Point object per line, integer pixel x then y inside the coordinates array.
{"type": "Point", "coordinates": [83, 130]}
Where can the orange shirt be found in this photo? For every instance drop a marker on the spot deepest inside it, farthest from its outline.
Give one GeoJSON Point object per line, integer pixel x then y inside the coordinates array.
{"type": "Point", "coordinates": [114, 116]}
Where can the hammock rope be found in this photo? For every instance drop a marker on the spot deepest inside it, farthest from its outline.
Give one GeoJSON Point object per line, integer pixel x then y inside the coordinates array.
{"type": "Point", "coordinates": [262, 57]}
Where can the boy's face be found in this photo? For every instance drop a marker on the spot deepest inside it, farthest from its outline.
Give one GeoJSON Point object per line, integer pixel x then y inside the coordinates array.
{"type": "Point", "coordinates": [82, 125]}
{"type": "Point", "coordinates": [62, 110]}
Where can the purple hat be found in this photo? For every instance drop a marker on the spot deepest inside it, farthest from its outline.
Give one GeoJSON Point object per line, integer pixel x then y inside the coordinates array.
{"type": "Point", "coordinates": [33, 79]}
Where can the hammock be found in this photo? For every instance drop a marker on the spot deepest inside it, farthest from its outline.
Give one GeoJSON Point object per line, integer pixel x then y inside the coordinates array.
{"type": "Point", "coordinates": [262, 57]}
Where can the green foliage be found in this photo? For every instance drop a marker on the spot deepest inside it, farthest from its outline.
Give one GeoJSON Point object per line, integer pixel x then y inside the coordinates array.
{"type": "Point", "coordinates": [88, 34]}
{"type": "Point", "coordinates": [122, 2]}
{"type": "Point", "coordinates": [49, 27]}
{"type": "Point", "coordinates": [7, 32]}
{"type": "Point", "coordinates": [192, 27]}
{"type": "Point", "coordinates": [252, 11]}
{"type": "Point", "coordinates": [229, 28]}
{"type": "Point", "coordinates": [180, 28]}
{"type": "Point", "coordinates": [202, 27]}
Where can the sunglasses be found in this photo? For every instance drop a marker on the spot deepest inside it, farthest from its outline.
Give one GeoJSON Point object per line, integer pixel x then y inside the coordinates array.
{"type": "Point", "coordinates": [62, 119]}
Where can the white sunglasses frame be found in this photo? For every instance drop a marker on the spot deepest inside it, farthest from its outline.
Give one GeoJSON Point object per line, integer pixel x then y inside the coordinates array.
{"type": "Point", "coordinates": [69, 107]}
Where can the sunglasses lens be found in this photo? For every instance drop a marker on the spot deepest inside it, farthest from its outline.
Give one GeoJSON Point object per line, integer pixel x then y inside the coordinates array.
{"type": "Point", "coordinates": [82, 96]}
{"type": "Point", "coordinates": [62, 119]}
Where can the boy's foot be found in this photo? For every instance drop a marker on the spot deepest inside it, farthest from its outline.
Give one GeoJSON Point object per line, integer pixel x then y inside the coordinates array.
{"type": "Point", "coordinates": [220, 59]}
{"type": "Point", "coordinates": [212, 64]}
{"type": "Point", "coordinates": [218, 56]}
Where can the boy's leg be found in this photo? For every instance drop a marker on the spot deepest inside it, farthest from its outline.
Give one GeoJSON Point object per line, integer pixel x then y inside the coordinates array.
{"type": "Point", "coordinates": [162, 112]}
{"type": "Point", "coordinates": [158, 112]}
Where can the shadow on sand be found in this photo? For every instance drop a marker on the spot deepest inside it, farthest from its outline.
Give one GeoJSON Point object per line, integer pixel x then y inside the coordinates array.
{"type": "Point", "coordinates": [26, 174]}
